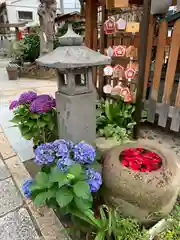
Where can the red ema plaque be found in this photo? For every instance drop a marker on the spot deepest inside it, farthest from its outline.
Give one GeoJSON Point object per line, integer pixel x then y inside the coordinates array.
{"type": "Point", "coordinates": [120, 51]}
{"type": "Point", "coordinates": [110, 26]}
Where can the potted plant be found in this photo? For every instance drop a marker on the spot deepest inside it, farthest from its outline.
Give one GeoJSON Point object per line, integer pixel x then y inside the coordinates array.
{"type": "Point", "coordinates": [35, 116]}
{"type": "Point", "coordinates": [16, 51]}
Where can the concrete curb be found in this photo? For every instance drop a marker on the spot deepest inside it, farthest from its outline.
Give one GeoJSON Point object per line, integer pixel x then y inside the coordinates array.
{"type": "Point", "coordinates": [46, 222]}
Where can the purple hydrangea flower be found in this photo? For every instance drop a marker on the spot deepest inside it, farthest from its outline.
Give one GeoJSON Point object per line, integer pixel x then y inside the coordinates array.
{"type": "Point", "coordinates": [84, 153]}
{"type": "Point", "coordinates": [64, 164]}
{"type": "Point", "coordinates": [27, 97]}
{"type": "Point", "coordinates": [94, 179]}
{"type": "Point", "coordinates": [45, 154]}
{"type": "Point", "coordinates": [63, 148]}
{"type": "Point", "coordinates": [25, 188]}
{"type": "Point", "coordinates": [42, 103]}
{"type": "Point", "coordinates": [13, 105]}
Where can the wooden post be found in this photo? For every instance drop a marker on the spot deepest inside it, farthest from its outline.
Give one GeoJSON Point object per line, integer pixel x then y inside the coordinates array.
{"type": "Point", "coordinates": [142, 64]}
{"type": "Point", "coordinates": [91, 21]}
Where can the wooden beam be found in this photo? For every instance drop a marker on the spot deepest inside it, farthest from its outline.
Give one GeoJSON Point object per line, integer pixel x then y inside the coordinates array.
{"type": "Point", "coordinates": [142, 64]}
{"type": "Point", "coordinates": [91, 21]}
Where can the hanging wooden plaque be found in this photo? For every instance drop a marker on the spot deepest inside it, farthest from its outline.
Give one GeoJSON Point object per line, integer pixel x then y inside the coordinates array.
{"type": "Point", "coordinates": [117, 4]}
{"type": "Point", "coordinates": [132, 27]}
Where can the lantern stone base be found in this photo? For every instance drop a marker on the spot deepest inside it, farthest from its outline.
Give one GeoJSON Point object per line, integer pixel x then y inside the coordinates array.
{"type": "Point", "coordinates": [146, 196]}
{"type": "Point", "coordinates": [77, 116]}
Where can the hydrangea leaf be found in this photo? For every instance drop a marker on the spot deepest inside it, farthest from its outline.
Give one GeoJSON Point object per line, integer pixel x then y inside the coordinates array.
{"type": "Point", "coordinates": [28, 136]}
{"type": "Point", "coordinates": [41, 123]}
{"type": "Point", "coordinates": [75, 170]}
{"type": "Point", "coordinates": [64, 196]}
{"type": "Point", "coordinates": [34, 116]}
{"type": "Point", "coordinates": [24, 129]}
{"type": "Point", "coordinates": [35, 187]}
{"type": "Point", "coordinates": [50, 125]}
{"type": "Point", "coordinates": [30, 123]}
{"type": "Point", "coordinates": [40, 199]}
{"type": "Point", "coordinates": [16, 119]}
{"type": "Point", "coordinates": [82, 190]}
{"type": "Point", "coordinates": [42, 179]}
{"type": "Point", "coordinates": [59, 177]}
{"type": "Point", "coordinates": [47, 117]}
{"type": "Point", "coordinates": [83, 204]}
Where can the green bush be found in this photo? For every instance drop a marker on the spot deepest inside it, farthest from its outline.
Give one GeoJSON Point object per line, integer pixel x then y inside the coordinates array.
{"type": "Point", "coordinates": [32, 47]}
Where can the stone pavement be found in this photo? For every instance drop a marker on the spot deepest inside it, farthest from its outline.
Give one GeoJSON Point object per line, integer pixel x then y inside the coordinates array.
{"type": "Point", "coordinates": [10, 90]}
{"type": "Point", "coordinates": [15, 221]}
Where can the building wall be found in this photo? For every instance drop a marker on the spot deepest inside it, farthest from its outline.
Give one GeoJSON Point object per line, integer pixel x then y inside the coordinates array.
{"type": "Point", "coordinates": [13, 6]}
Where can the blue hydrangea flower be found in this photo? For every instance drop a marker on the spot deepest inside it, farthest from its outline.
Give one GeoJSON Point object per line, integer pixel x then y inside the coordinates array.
{"type": "Point", "coordinates": [63, 148]}
{"type": "Point", "coordinates": [94, 179]}
{"type": "Point", "coordinates": [27, 97]}
{"type": "Point", "coordinates": [64, 164]}
{"type": "Point", "coordinates": [25, 188]}
{"type": "Point", "coordinates": [45, 154]}
{"type": "Point", "coordinates": [84, 153]}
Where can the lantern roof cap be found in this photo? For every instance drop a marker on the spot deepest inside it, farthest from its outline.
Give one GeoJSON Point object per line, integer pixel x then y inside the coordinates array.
{"type": "Point", "coordinates": [72, 54]}
{"type": "Point", "coordinates": [70, 57]}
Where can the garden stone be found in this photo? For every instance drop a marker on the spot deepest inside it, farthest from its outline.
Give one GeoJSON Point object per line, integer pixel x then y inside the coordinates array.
{"type": "Point", "coordinates": [146, 196]}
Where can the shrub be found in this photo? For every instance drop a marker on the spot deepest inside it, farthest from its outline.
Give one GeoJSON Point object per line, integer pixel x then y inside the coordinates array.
{"type": "Point", "coordinates": [67, 178]}
{"type": "Point", "coordinates": [35, 116]}
{"type": "Point", "coordinates": [115, 119]}
{"type": "Point", "coordinates": [32, 47]}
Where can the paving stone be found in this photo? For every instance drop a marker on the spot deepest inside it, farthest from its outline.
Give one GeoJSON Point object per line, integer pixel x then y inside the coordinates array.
{"type": "Point", "coordinates": [18, 171]}
{"type": "Point", "coordinates": [4, 173]}
{"type": "Point", "coordinates": [5, 149]}
{"type": "Point", "coordinates": [10, 198]}
{"type": "Point", "coordinates": [46, 219]}
{"type": "Point", "coordinates": [17, 226]}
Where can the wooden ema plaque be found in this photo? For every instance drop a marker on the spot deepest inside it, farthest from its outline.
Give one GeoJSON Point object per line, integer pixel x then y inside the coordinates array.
{"type": "Point", "coordinates": [117, 4]}
{"type": "Point", "coordinates": [122, 3]}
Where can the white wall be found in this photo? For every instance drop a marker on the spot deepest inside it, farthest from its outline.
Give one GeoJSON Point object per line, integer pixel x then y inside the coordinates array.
{"type": "Point", "coordinates": [71, 6]}
{"type": "Point", "coordinates": [13, 6]}
{"type": "Point", "coordinates": [12, 12]}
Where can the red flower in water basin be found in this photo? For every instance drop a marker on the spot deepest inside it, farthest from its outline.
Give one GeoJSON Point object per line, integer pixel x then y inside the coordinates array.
{"type": "Point", "coordinates": [140, 160]}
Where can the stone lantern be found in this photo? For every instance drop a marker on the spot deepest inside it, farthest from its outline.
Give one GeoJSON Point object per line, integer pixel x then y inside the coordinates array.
{"type": "Point", "coordinates": [76, 95]}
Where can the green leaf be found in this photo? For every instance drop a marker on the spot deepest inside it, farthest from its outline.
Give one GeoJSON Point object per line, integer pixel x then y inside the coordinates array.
{"type": "Point", "coordinates": [82, 190]}
{"type": "Point", "coordinates": [51, 193]}
{"type": "Point", "coordinates": [34, 116]}
{"type": "Point", "coordinates": [100, 235]}
{"type": "Point", "coordinates": [42, 179]}
{"type": "Point", "coordinates": [51, 125]}
{"type": "Point", "coordinates": [46, 117]}
{"type": "Point", "coordinates": [40, 199]}
{"type": "Point", "coordinates": [28, 136]}
{"type": "Point", "coordinates": [16, 119]}
{"type": "Point", "coordinates": [75, 170]}
{"type": "Point", "coordinates": [41, 123]}
{"type": "Point", "coordinates": [35, 187]}
{"type": "Point", "coordinates": [59, 177]}
{"type": "Point", "coordinates": [83, 204]}
{"type": "Point", "coordinates": [24, 129]}
{"type": "Point", "coordinates": [108, 110]}
{"type": "Point", "coordinates": [30, 123]}
{"type": "Point", "coordinates": [64, 196]}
